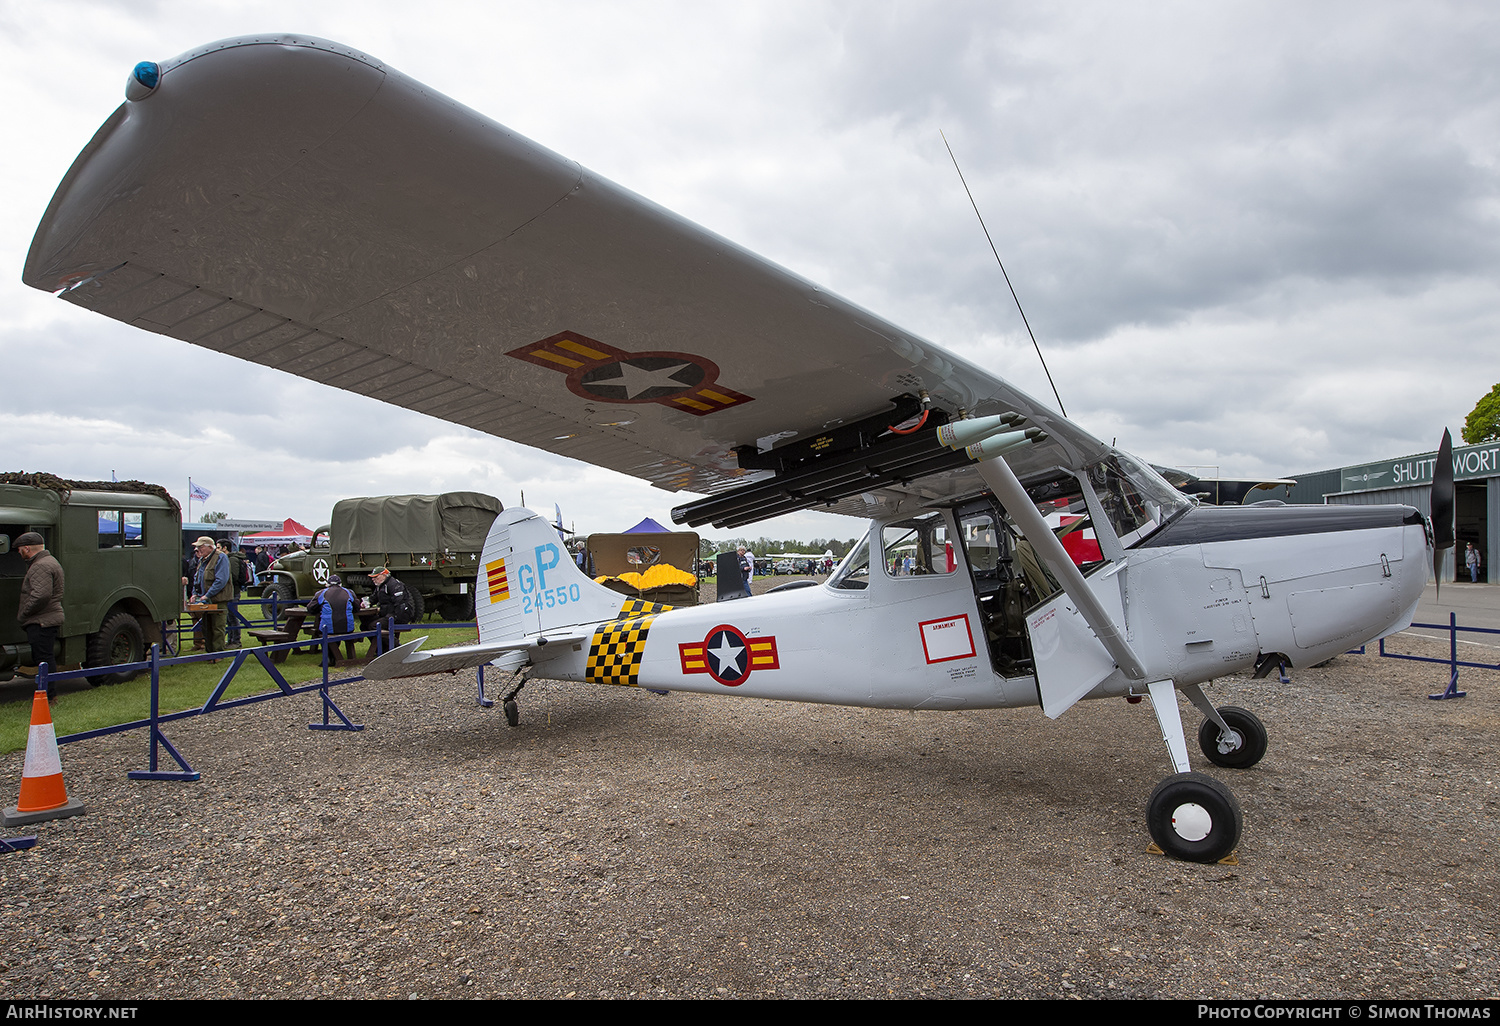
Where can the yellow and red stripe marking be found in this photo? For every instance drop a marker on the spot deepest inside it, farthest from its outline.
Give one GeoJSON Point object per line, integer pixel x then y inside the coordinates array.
{"type": "Point", "coordinates": [577, 355]}
{"type": "Point", "coordinates": [497, 580]}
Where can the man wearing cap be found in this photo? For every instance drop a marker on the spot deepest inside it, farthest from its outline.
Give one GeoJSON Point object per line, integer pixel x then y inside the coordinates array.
{"type": "Point", "coordinates": [393, 599]}
{"type": "Point", "coordinates": [334, 608]}
{"type": "Point", "coordinates": [40, 610]}
{"type": "Point", "coordinates": [211, 584]}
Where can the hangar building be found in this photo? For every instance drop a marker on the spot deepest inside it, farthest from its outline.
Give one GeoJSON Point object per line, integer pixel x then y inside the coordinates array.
{"type": "Point", "coordinates": [1408, 480]}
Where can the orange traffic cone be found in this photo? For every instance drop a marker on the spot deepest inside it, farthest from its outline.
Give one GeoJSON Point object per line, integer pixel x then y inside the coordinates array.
{"type": "Point", "coordinates": [43, 795]}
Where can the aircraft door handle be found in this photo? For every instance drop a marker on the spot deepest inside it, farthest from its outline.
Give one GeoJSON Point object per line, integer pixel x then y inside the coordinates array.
{"type": "Point", "coordinates": [1385, 566]}
{"type": "Point", "coordinates": [1265, 590]}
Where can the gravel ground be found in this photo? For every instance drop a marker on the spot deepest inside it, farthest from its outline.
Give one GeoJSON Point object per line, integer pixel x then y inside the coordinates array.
{"type": "Point", "coordinates": [619, 843]}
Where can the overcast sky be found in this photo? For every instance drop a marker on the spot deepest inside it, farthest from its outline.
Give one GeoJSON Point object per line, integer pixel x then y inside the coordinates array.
{"type": "Point", "coordinates": [1256, 238]}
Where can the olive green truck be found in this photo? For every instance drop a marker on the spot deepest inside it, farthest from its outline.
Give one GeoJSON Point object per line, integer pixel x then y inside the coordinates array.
{"type": "Point", "coordinates": [431, 543]}
{"type": "Point", "coordinates": [119, 545]}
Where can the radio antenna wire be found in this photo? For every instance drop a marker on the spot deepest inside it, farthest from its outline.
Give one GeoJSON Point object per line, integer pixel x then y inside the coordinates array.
{"type": "Point", "coordinates": [1063, 409]}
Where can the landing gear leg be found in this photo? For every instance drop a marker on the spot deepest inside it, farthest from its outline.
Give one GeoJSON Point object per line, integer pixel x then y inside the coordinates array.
{"type": "Point", "coordinates": [1231, 737]}
{"type": "Point", "coordinates": [1190, 816]}
{"type": "Point", "coordinates": [513, 711]}
{"type": "Point", "coordinates": [1164, 704]}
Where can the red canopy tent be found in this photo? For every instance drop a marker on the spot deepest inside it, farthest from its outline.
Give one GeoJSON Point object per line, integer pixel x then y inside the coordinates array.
{"type": "Point", "coordinates": [291, 531]}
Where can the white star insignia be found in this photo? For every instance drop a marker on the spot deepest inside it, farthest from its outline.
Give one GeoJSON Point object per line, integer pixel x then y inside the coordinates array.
{"type": "Point", "coordinates": [727, 654]}
{"type": "Point", "coordinates": [637, 381]}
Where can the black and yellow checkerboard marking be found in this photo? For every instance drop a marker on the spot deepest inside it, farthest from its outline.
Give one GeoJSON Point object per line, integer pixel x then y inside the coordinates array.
{"type": "Point", "coordinates": [615, 653]}
{"type": "Point", "coordinates": [640, 607]}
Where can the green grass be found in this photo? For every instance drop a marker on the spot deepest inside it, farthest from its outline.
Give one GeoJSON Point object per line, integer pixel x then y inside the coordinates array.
{"type": "Point", "coordinates": [79, 707]}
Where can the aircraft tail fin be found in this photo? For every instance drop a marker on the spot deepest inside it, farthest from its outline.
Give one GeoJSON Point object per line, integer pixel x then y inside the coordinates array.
{"type": "Point", "coordinates": [528, 582]}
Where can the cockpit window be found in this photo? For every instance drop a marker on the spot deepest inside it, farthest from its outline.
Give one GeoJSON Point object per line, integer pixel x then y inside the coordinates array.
{"type": "Point", "coordinates": [1136, 499]}
{"type": "Point", "coordinates": [918, 547]}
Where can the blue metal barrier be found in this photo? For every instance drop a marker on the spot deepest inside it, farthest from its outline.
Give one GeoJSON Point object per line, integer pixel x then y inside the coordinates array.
{"type": "Point", "coordinates": [380, 638]}
{"type": "Point", "coordinates": [1453, 661]}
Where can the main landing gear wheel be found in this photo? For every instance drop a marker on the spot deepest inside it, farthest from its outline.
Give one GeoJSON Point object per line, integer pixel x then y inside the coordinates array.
{"type": "Point", "coordinates": [1194, 818]}
{"type": "Point", "coordinates": [1231, 752]}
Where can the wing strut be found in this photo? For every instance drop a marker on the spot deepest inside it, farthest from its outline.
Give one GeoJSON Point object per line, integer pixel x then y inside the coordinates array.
{"type": "Point", "coordinates": [1002, 481]}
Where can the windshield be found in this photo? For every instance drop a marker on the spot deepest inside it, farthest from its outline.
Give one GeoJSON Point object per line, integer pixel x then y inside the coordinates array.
{"type": "Point", "coordinates": [1136, 499]}
{"type": "Point", "coordinates": [854, 572]}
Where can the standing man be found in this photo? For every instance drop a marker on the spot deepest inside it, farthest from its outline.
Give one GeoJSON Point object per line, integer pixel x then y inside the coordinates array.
{"type": "Point", "coordinates": [211, 584]}
{"type": "Point", "coordinates": [236, 578]}
{"type": "Point", "coordinates": [747, 567]}
{"type": "Point", "coordinates": [1471, 560]}
{"type": "Point", "coordinates": [40, 610]}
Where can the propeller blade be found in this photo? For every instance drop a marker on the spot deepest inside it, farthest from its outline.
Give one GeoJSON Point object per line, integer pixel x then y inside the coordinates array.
{"type": "Point", "coordinates": [1442, 506]}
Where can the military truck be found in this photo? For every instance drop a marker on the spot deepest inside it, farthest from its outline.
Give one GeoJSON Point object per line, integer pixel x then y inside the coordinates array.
{"type": "Point", "coordinates": [431, 543]}
{"type": "Point", "coordinates": [118, 545]}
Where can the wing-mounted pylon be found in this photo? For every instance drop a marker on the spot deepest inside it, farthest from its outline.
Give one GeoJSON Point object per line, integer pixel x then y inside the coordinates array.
{"type": "Point", "coordinates": [871, 454]}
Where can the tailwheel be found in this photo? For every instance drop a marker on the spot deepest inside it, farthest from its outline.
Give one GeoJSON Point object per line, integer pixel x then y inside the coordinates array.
{"type": "Point", "coordinates": [512, 712]}
{"type": "Point", "coordinates": [1242, 748]}
{"type": "Point", "coordinates": [1194, 818]}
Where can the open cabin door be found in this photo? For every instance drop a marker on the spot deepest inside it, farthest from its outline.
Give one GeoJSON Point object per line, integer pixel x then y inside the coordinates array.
{"type": "Point", "coordinates": [1070, 660]}
{"type": "Point", "coordinates": [1032, 625]}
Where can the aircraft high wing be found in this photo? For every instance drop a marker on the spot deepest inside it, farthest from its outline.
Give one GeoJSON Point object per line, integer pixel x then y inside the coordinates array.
{"type": "Point", "coordinates": [299, 204]}
{"type": "Point", "coordinates": [386, 240]}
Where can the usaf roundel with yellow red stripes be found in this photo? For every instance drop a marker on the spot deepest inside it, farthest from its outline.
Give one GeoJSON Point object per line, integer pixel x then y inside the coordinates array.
{"type": "Point", "coordinates": [599, 372]}
{"type": "Point", "coordinates": [728, 656]}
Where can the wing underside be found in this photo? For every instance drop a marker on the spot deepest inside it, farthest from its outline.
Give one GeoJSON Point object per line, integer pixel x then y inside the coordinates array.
{"type": "Point", "coordinates": [300, 205]}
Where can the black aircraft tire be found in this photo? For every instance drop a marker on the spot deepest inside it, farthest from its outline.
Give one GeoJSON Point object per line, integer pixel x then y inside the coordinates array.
{"type": "Point", "coordinates": [119, 640]}
{"type": "Point", "coordinates": [512, 713]}
{"type": "Point", "coordinates": [1194, 818]}
{"type": "Point", "coordinates": [1252, 732]}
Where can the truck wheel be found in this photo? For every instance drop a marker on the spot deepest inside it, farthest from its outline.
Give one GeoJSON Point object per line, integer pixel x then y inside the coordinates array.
{"type": "Point", "coordinates": [418, 605]}
{"type": "Point", "coordinates": [284, 594]}
{"type": "Point", "coordinates": [457, 608]}
{"type": "Point", "coordinates": [120, 640]}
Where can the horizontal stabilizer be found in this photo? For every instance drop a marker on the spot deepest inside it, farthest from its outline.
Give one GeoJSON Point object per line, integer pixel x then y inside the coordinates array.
{"type": "Point", "coordinates": [408, 661]}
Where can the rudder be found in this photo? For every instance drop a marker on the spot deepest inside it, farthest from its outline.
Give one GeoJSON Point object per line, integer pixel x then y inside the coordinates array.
{"type": "Point", "coordinates": [529, 583]}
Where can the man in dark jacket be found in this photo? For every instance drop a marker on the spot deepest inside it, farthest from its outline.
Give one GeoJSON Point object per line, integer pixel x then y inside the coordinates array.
{"type": "Point", "coordinates": [40, 610]}
{"type": "Point", "coordinates": [334, 607]}
{"type": "Point", "coordinates": [394, 600]}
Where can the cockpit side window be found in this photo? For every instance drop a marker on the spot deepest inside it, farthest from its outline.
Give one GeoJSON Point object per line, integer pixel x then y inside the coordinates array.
{"type": "Point", "coordinates": [919, 547]}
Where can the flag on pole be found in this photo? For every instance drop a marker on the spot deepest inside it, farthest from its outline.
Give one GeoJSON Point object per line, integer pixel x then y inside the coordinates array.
{"type": "Point", "coordinates": [197, 491]}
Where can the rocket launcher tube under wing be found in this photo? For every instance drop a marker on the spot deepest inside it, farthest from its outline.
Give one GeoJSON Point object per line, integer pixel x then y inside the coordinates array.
{"type": "Point", "coordinates": [996, 445]}
{"type": "Point", "coordinates": [960, 433]}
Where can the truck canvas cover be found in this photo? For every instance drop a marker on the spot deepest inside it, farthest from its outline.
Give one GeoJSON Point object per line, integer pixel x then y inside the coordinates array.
{"type": "Point", "coordinates": [452, 522]}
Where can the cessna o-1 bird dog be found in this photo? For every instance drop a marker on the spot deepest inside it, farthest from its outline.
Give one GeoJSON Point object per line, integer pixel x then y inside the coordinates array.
{"type": "Point", "coordinates": [300, 204]}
